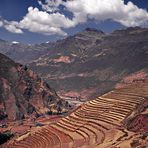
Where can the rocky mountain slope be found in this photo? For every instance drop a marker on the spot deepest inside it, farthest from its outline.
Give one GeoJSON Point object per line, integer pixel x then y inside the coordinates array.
{"type": "Point", "coordinates": [87, 64]}
{"type": "Point", "coordinates": [92, 62]}
{"type": "Point", "coordinates": [23, 94]}
{"type": "Point", "coordinates": [24, 53]}
{"type": "Point", "coordinates": [116, 119]}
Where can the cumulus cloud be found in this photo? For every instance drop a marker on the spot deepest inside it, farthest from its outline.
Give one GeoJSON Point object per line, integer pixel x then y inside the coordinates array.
{"type": "Point", "coordinates": [43, 22]}
{"type": "Point", "coordinates": [1, 23]}
{"type": "Point", "coordinates": [50, 5]}
{"type": "Point", "coordinates": [100, 10]}
{"type": "Point", "coordinates": [11, 26]}
{"type": "Point", "coordinates": [51, 21]}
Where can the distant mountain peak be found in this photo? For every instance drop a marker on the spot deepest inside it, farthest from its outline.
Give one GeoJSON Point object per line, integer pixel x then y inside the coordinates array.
{"type": "Point", "coordinates": [130, 30]}
{"type": "Point", "coordinates": [93, 30]}
{"type": "Point", "coordinates": [89, 32]}
{"type": "Point", "coordinates": [1, 40]}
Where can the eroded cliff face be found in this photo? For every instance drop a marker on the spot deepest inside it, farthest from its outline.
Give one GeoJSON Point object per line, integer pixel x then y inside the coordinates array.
{"type": "Point", "coordinates": [23, 93]}
{"type": "Point", "coordinates": [138, 121]}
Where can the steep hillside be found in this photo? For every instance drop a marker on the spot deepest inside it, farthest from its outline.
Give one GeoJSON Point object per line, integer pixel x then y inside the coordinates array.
{"type": "Point", "coordinates": [116, 119]}
{"type": "Point", "coordinates": [92, 62]}
{"type": "Point", "coordinates": [24, 53]}
{"type": "Point", "coordinates": [86, 64]}
{"type": "Point", "coordinates": [23, 93]}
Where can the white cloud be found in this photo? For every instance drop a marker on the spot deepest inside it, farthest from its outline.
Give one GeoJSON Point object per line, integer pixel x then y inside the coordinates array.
{"type": "Point", "coordinates": [82, 10]}
{"type": "Point", "coordinates": [43, 22]}
{"type": "Point", "coordinates": [128, 14]}
{"type": "Point", "coordinates": [50, 5]}
{"type": "Point", "coordinates": [1, 23]}
{"type": "Point", "coordinates": [12, 27]}
{"type": "Point", "coordinates": [100, 10]}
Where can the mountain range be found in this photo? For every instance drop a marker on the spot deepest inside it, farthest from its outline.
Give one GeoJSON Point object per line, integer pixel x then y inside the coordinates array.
{"type": "Point", "coordinates": [24, 94]}
{"type": "Point", "coordinates": [79, 68]}
{"type": "Point", "coordinates": [88, 64]}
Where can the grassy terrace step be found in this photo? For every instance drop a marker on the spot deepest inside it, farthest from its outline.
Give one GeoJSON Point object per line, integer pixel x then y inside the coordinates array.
{"type": "Point", "coordinates": [123, 104]}
{"type": "Point", "coordinates": [78, 139]}
{"type": "Point", "coordinates": [123, 95]}
{"type": "Point", "coordinates": [39, 137]}
{"type": "Point", "coordinates": [49, 136]}
{"type": "Point", "coordinates": [84, 134]}
{"type": "Point", "coordinates": [92, 108]}
{"type": "Point", "coordinates": [119, 113]}
{"type": "Point", "coordinates": [124, 110]}
{"type": "Point", "coordinates": [48, 141]}
{"type": "Point", "coordinates": [88, 110]}
{"type": "Point", "coordinates": [94, 131]}
{"type": "Point", "coordinates": [36, 142]}
{"type": "Point", "coordinates": [42, 139]}
{"type": "Point", "coordinates": [104, 114]}
{"type": "Point", "coordinates": [115, 116]}
{"type": "Point", "coordinates": [116, 112]}
{"type": "Point", "coordinates": [132, 93]}
{"type": "Point", "coordinates": [88, 134]}
{"type": "Point", "coordinates": [76, 120]}
{"type": "Point", "coordinates": [66, 126]}
{"type": "Point", "coordinates": [69, 124]}
{"type": "Point", "coordinates": [100, 102]}
{"type": "Point", "coordinates": [101, 108]}
{"type": "Point", "coordinates": [66, 140]}
{"type": "Point", "coordinates": [119, 99]}
{"type": "Point", "coordinates": [23, 144]}
{"type": "Point", "coordinates": [68, 121]}
{"type": "Point", "coordinates": [98, 117]}
{"type": "Point", "coordinates": [119, 110]}
{"type": "Point", "coordinates": [97, 132]}
{"type": "Point", "coordinates": [122, 98]}
{"type": "Point", "coordinates": [55, 137]}
{"type": "Point", "coordinates": [63, 129]}
{"type": "Point", "coordinates": [88, 121]}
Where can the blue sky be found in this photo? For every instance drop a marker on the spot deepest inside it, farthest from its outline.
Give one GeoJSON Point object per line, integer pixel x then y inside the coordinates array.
{"type": "Point", "coordinates": [15, 10]}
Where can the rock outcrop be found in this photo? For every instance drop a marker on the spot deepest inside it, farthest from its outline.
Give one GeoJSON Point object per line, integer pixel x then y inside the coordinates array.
{"type": "Point", "coordinates": [24, 94]}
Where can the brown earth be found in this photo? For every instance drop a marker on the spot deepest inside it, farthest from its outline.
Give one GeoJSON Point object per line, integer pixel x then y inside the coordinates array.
{"type": "Point", "coordinates": [116, 119]}
{"type": "Point", "coordinates": [25, 98]}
